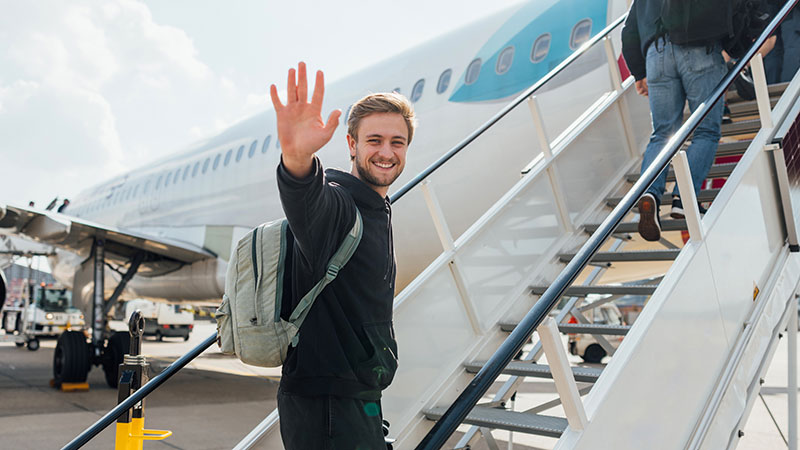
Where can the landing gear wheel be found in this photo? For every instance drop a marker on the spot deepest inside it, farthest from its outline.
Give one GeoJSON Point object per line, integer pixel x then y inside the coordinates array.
{"type": "Point", "coordinates": [71, 358]}
{"type": "Point", "coordinates": [19, 344]}
{"type": "Point", "coordinates": [33, 344]}
{"type": "Point", "coordinates": [594, 353]}
{"type": "Point", "coordinates": [116, 348]}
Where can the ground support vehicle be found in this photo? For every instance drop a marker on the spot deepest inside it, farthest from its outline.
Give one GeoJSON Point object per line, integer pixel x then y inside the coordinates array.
{"type": "Point", "coordinates": [162, 320]}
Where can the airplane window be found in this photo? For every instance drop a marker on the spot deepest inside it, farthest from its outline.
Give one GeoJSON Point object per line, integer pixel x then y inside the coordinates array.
{"type": "Point", "coordinates": [216, 161]}
{"type": "Point", "coordinates": [166, 182]}
{"type": "Point", "coordinates": [228, 157]}
{"type": "Point", "coordinates": [146, 187]}
{"type": "Point", "coordinates": [205, 164]}
{"type": "Point", "coordinates": [252, 150]}
{"type": "Point", "coordinates": [239, 153]}
{"type": "Point", "coordinates": [580, 33]}
{"type": "Point", "coordinates": [177, 175]}
{"type": "Point", "coordinates": [541, 47]}
{"type": "Point", "coordinates": [473, 70]}
{"type": "Point", "coordinates": [196, 167]}
{"type": "Point", "coordinates": [504, 60]}
{"type": "Point", "coordinates": [135, 190]}
{"type": "Point", "coordinates": [416, 91]}
{"type": "Point", "coordinates": [266, 144]}
{"type": "Point", "coordinates": [158, 183]}
{"type": "Point", "coordinates": [186, 172]}
{"type": "Point", "coordinates": [444, 81]}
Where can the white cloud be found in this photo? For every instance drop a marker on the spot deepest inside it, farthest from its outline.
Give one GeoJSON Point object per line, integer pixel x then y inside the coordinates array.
{"type": "Point", "coordinates": [92, 88]}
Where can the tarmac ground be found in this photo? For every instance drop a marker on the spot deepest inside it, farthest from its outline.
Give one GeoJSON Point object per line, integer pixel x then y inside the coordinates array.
{"type": "Point", "coordinates": [211, 405]}
{"type": "Point", "coordinates": [217, 400]}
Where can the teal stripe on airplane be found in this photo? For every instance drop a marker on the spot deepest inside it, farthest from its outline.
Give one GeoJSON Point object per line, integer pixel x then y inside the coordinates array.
{"type": "Point", "coordinates": [556, 17]}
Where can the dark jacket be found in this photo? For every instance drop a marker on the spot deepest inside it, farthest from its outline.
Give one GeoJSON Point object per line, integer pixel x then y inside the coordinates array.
{"type": "Point", "coordinates": [346, 345]}
{"type": "Point", "coordinates": [685, 22]}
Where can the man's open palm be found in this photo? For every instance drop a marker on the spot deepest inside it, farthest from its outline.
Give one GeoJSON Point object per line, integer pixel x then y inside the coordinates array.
{"type": "Point", "coordinates": [300, 127]}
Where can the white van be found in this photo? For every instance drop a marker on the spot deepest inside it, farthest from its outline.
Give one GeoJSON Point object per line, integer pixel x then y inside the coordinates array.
{"type": "Point", "coordinates": [161, 319]}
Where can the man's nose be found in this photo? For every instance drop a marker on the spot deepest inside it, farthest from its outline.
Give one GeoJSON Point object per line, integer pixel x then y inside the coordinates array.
{"type": "Point", "coordinates": [386, 150]}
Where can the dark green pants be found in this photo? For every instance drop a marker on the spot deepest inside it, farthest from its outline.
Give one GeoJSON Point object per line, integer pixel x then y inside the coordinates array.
{"type": "Point", "coordinates": [329, 423]}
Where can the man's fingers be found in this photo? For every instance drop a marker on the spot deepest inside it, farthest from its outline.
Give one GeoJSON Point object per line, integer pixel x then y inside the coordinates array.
{"type": "Point", "coordinates": [291, 88]}
{"type": "Point", "coordinates": [276, 100]}
{"type": "Point", "coordinates": [319, 90]}
{"type": "Point", "coordinates": [333, 121]}
{"type": "Point", "coordinates": [302, 83]}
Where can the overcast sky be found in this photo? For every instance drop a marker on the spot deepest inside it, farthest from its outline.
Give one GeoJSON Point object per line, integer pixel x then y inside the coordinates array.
{"type": "Point", "coordinates": [91, 88]}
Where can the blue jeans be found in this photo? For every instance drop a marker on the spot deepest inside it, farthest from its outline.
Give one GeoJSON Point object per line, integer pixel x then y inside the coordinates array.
{"type": "Point", "coordinates": [790, 34]}
{"type": "Point", "coordinates": [675, 74]}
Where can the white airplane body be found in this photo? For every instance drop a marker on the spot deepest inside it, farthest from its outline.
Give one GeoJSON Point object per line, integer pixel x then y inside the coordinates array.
{"type": "Point", "coordinates": [190, 208]}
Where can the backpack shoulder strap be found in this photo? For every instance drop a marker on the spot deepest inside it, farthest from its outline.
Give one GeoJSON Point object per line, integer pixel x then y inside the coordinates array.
{"type": "Point", "coordinates": [339, 259]}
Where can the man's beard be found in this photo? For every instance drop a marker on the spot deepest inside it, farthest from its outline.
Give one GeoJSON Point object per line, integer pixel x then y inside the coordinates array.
{"type": "Point", "coordinates": [367, 177]}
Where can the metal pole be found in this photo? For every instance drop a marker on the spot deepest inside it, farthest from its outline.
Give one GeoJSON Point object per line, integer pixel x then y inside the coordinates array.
{"type": "Point", "coordinates": [792, 385]}
{"type": "Point", "coordinates": [99, 287]}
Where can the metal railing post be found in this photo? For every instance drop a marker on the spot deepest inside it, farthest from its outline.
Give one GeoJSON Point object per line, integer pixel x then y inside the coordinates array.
{"type": "Point", "coordinates": [552, 173]}
{"type": "Point", "coordinates": [762, 91]}
{"type": "Point", "coordinates": [622, 104]}
{"type": "Point", "coordinates": [439, 221]}
{"type": "Point", "coordinates": [683, 175]}
{"type": "Point", "coordinates": [562, 374]}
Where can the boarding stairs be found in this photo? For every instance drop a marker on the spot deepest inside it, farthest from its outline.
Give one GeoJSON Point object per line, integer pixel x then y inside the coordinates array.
{"type": "Point", "coordinates": [719, 290]}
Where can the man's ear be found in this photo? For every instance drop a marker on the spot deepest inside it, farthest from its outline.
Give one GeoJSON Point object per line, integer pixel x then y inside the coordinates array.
{"type": "Point", "coordinates": [351, 145]}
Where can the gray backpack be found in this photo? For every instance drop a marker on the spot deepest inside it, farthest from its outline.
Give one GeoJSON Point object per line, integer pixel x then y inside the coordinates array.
{"type": "Point", "coordinates": [249, 323]}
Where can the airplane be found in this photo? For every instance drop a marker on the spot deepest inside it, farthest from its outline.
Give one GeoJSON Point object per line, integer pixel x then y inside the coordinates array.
{"type": "Point", "coordinates": [164, 231]}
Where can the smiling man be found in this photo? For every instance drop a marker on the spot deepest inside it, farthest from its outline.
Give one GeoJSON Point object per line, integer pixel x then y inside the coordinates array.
{"type": "Point", "coordinates": [331, 383]}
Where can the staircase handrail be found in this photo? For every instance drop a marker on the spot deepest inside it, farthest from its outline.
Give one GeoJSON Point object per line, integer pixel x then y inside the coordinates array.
{"type": "Point", "coordinates": [481, 383]}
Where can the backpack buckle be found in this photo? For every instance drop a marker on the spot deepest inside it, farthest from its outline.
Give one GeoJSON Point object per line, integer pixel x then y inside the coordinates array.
{"type": "Point", "coordinates": [333, 271]}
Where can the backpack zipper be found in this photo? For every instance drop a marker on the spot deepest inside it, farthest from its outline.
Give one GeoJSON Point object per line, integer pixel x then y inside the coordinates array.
{"type": "Point", "coordinates": [254, 256]}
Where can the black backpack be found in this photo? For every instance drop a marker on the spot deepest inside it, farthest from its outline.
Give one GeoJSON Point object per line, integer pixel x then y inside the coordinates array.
{"type": "Point", "coordinates": [749, 19]}
{"type": "Point", "coordinates": [733, 23]}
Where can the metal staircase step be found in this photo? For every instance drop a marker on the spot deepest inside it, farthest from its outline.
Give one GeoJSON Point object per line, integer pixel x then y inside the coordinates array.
{"type": "Point", "coordinates": [631, 227]}
{"type": "Point", "coordinates": [741, 127]}
{"type": "Point", "coordinates": [732, 148]}
{"type": "Point", "coordinates": [728, 148]}
{"type": "Point", "coordinates": [634, 256]}
{"type": "Point", "coordinates": [716, 171]}
{"type": "Point", "coordinates": [775, 90]}
{"type": "Point", "coordinates": [527, 369]}
{"type": "Point", "coordinates": [582, 291]}
{"type": "Point", "coordinates": [748, 107]}
{"type": "Point", "coordinates": [592, 328]}
{"type": "Point", "coordinates": [501, 419]}
{"type": "Point", "coordinates": [706, 195]}
{"type": "Point", "coordinates": [579, 328]}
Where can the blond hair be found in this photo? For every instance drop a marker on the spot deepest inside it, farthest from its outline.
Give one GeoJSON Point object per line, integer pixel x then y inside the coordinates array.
{"type": "Point", "coordinates": [384, 102]}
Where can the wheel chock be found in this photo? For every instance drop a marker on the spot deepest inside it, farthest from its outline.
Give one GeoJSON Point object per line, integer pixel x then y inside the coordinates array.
{"type": "Point", "coordinates": [69, 387]}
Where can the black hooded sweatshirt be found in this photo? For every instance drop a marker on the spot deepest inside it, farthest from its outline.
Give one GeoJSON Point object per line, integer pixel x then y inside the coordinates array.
{"type": "Point", "coordinates": [346, 345]}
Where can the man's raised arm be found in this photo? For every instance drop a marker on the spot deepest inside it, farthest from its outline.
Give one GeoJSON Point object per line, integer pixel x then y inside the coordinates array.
{"type": "Point", "coordinates": [301, 130]}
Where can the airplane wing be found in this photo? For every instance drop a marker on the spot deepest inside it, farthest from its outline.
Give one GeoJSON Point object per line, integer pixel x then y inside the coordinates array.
{"type": "Point", "coordinates": [77, 235]}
